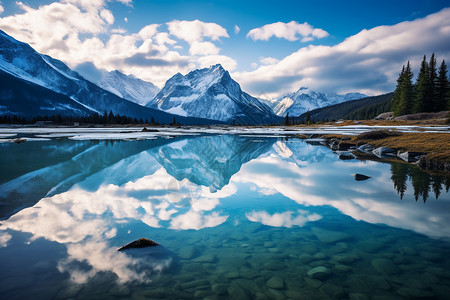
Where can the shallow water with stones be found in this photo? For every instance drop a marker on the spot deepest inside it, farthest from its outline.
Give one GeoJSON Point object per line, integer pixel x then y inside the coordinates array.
{"type": "Point", "coordinates": [236, 217]}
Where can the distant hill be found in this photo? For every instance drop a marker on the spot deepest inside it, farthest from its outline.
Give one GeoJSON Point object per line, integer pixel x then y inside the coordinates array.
{"type": "Point", "coordinates": [361, 109]}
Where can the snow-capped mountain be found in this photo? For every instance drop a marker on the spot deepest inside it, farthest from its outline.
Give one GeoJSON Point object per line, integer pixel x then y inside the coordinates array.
{"type": "Point", "coordinates": [305, 100]}
{"type": "Point", "coordinates": [129, 87]}
{"type": "Point", "coordinates": [212, 94]}
{"type": "Point", "coordinates": [37, 84]}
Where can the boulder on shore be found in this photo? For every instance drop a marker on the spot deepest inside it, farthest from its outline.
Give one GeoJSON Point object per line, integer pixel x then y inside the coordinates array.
{"type": "Point", "coordinates": [140, 243]}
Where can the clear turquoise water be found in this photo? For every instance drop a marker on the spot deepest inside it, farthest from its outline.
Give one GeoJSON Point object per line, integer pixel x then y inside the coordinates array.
{"type": "Point", "coordinates": [237, 218]}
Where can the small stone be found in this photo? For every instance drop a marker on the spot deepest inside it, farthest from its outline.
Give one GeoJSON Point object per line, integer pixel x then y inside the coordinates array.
{"type": "Point", "coordinates": [274, 250]}
{"type": "Point", "coordinates": [314, 283]}
{"type": "Point", "coordinates": [414, 293]}
{"type": "Point", "coordinates": [274, 265]}
{"type": "Point", "coordinates": [328, 236]}
{"type": "Point", "coordinates": [275, 283]}
{"type": "Point", "coordinates": [237, 292]}
{"type": "Point", "coordinates": [248, 273]}
{"type": "Point", "coordinates": [309, 249]}
{"type": "Point", "coordinates": [320, 255]}
{"type": "Point", "coordinates": [358, 296]}
{"type": "Point", "coordinates": [334, 291]}
{"type": "Point", "coordinates": [276, 294]}
{"type": "Point", "coordinates": [269, 244]}
{"type": "Point", "coordinates": [346, 259]}
{"type": "Point", "coordinates": [232, 275]}
{"type": "Point", "coordinates": [385, 266]}
{"type": "Point", "coordinates": [187, 252]}
{"type": "Point", "coordinates": [342, 268]}
{"type": "Point", "coordinates": [319, 273]}
{"type": "Point", "coordinates": [306, 258]}
{"type": "Point", "coordinates": [220, 288]}
{"type": "Point", "coordinates": [293, 294]}
{"type": "Point", "coordinates": [237, 235]}
{"type": "Point", "coordinates": [209, 258]}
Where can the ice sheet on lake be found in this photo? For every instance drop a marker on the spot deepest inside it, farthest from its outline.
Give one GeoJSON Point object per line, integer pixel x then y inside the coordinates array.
{"type": "Point", "coordinates": [137, 133]}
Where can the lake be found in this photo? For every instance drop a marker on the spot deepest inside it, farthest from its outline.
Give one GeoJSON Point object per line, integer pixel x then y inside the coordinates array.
{"type": "Point", "coordinates": [236, 216]}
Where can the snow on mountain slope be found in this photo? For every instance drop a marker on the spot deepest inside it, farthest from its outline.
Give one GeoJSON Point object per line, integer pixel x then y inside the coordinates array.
{"type": "Point", "coordinates": [305, 100]}
{"type": "Point", "coordinates": [212, 94]}
{"type": "Point", "coordinates": [129, 87]}
{"type": "Point", "coordinates": [82, 97]}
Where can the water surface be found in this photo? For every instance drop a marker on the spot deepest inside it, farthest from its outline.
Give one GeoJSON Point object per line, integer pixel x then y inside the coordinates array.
{"type": "Point", "coordinates": [237, 217]}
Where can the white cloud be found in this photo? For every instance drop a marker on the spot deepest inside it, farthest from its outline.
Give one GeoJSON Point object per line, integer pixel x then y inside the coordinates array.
{"type": "Point", "coordinates": [1, 9]}
{"type": "Point", "coordinates": [285, 219]}
{"type": "Point", "coordinates": [203, 48]}
{"type": "Point", "coordinates": [125, 19]}
{"type": "Point", "coordinates": [119, 30]}
{"type": "Point", "coordinates": [196, 30]}
{"type": "Point", "coordinates": [368, 61]}
{"type": "Point", "coordinates": [268, 60]}
{"type": "Point", "coordinates": [81, 39]}
{"type": "Point", "coordinates": [4, 238]}
{"type": "Point", "coordinates": [227, 62]}
{"type": "Point", "coordinates": [126, 2]}
{"type": "Point", "coordinates": [236, 29]}
{"type": "Point", "coordinates": [291, 31]}
{"type": "Point", "coordinates": [107, 16]}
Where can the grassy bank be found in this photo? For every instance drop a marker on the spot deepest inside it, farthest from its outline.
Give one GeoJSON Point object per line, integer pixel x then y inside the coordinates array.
{"type": "Point", "coordinates": [434, 146]}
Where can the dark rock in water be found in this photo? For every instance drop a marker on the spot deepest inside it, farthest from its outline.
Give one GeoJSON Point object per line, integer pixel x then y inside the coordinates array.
{"type": "Point", "coordinates": [19, 140]}
{"type": "Point", "coordinates": [345, 155]}
{"type": "Point", "coordinates": [140, 243]}
{"type": "Point", "coordinates": [344, 146]}
{"type": "Point", "coordinates": [360, 177]}
{"type": "Point", "coordinates": [145, 129]}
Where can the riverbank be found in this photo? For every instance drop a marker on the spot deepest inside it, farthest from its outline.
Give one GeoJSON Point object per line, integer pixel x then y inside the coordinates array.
{"type": "Point", "coordinates": [430, 151]}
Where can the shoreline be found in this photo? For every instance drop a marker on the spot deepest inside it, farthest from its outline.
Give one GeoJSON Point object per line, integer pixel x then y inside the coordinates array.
{"type": "Point", "coordinates": [427, 146]}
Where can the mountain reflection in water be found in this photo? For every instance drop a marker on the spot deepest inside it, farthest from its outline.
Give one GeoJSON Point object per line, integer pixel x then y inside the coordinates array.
{"type": "Point", "coordinates": [86, 199]}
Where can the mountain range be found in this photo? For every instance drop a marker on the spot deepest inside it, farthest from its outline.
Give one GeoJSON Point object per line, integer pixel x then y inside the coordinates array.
{"type": "Point", "coordinates": [305, 100]}
{"type": "Point", "coordinates": [46, 86]}
{"type": "Point", "coordinates": [34, 84]}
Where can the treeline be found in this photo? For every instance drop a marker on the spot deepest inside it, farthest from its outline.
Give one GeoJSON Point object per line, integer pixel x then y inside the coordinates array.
{"type": "Point", "coordinates": [370, 111]}
{"type": "Point", "coordinates": [105, 119]}
{"type": "Point", "coordinates": [430, 93]}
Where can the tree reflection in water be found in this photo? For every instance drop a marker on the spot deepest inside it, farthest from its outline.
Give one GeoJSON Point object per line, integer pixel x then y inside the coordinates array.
{"type": "Point", "coordinates": [422, 182]}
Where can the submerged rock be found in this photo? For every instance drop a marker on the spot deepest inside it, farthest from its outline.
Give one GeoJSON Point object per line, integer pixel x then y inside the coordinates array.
{"type": "Point", "coordinates": [140, 243]}
{"type": "Point", "coordinates": [328, 236]}
{"type": "Point", "coordinates": [360, 177]}
{"type": "Point", "coordinates": [385, 266]}
{"type": "Point", "coordinates": [319, 273]}
{"type": "Point", "coordinates": [275, 283]}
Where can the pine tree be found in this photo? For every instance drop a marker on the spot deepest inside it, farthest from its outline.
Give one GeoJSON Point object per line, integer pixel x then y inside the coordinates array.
{"type": "Point", "coordinates": [422, 88]}
{"type": "Point", "coordinates": [396, 97]}
{"type": "Point", "coordinates": [404, 93]}
{"type": "Point", "coordinates": [286, 120]}
{"type": "Point", "coordinates": [442, 89]}
{"type": "Point", "coordinates": [432, 77]}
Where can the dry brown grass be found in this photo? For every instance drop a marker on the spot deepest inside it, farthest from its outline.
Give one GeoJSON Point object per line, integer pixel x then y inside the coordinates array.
{"type": "Point", "coordinates": [436, 145]}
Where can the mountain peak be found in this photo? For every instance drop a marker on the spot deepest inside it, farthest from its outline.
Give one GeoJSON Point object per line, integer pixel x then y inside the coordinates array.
{"type": "Point", "coordinates": [210, 93]}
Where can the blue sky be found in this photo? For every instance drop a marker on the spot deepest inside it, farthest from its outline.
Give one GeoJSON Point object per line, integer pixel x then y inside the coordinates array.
{"type": "Point", "coordinates": [279, 46]}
